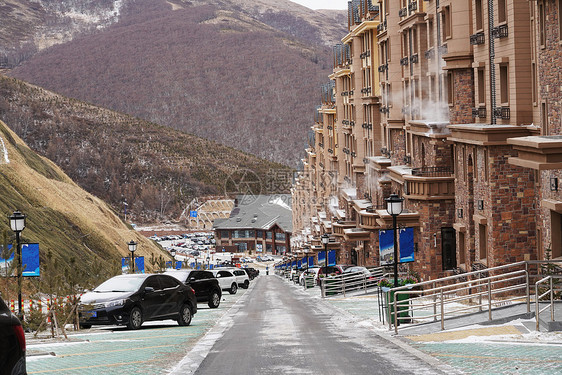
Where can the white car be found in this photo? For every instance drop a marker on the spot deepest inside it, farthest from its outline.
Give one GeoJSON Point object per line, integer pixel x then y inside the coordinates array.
{"type": "Point", "coordinates": [227, 280]}
{"type": "Point", "coordinates": [311, 272]}
{"type": "Point", "coordinates": [242, 277]}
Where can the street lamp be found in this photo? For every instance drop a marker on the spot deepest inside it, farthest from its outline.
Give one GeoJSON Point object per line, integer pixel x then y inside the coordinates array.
{"type": "Point", "coordinates": [208, 262]}
{"type": "Point", "coordinates": [325, 239]}
{"type": "Point", "coordinates": [394, 208]}
{"type": "Point", "coordinates": [132, 249]}
{"type": "Point", "coordinates": [195, 262]}
{"type": "Point", "coordinates": [17, 224]}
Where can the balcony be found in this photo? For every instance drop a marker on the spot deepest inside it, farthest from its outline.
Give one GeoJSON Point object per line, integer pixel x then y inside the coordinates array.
{"type": "Point", "coordinates": [404, 61]}
{"type": "Point", "coordinates": [413, 6]}
{"type": "Point", "coordinates": [383, 68]}
{"type": "Point", "coordinates": [478, 38]}
{"type": "Point", "coordinates": [433, 171]}
{"type": "Point", "coordinates": [339, 227]}
{"type": "Point", "coordinates": [414, 59]}
{"type": "Point", "coordinates": [479, 112]}
{"type": "Point", "coordinates": [356, 234]}
{"type": "Point", "coordinates": [501, 31]}
{"type": "Point", "coordinates": [503, 113]}
{"type": "Point", "coordinates": [403, 12]}
{"type": "Point", "coordinates": [430, 184]}
{"type": "Point", "coordinates": [429, 54]}
{"type": "Point", "coordinates": [540, 153]}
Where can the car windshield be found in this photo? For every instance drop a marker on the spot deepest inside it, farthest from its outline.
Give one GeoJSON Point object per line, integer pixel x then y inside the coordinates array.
{"type": "Point", "coordinates": [120, 284]}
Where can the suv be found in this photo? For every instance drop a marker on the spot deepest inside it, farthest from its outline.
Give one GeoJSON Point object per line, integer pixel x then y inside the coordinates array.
{"type": "Point", "coordinates": [204, 283]}
{"type": "Point", "coordinates": [12, 343]}
{"type": "Point", "coordinates": [242, 277]}
{"type": "Point", "coordinates": [227, 280]}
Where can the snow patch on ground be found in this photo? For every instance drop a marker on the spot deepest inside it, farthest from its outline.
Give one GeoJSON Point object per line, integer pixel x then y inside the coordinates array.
{"type": "Point", "coordinates": [5, 151]}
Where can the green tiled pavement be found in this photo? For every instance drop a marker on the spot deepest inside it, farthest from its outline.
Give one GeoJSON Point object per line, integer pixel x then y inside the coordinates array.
{"type": "Point", "coordinates": [157, 346]}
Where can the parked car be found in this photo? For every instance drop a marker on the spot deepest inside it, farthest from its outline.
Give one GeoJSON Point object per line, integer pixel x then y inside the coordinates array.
{"type": "Point", "coordinates": [12, 343]}
{"type": "Point", "coordinates": [252, 272]}
{"type": "Point", "coordinates": [310, 272]}
{"type": "Point", "coordinates": [332, 270]}
{"type": "Point", "coordinates": [227, 280]}
{"type": "Point", "coordinates": [358, 269]}
{"type": "Point", "coordinates": [204, 283]}
{"type": "Point", "coordinates": [133, 299]}
{"type": "Point", "coordinates": [242, 278]}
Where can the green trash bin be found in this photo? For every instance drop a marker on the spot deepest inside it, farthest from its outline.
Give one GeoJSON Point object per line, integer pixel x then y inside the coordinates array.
{"type": "Point", "coordinates": [402, 310]}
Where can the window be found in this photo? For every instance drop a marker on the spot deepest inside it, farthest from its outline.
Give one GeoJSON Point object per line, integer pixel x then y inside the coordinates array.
{"type": "Point", "coordinates": [450, 88]}
{"type": "Point", "coordinates": [168, 282]}
{"type": "Point", "coordinates": [224, 234]}
{"type": "Point", "coordinates": [556, 223]}
{"type": "Point", "coordinates": [461, 248]}
{"type": "Point", "coordinates": [542, 26]}
{"type": "Point", "coordinates": [483, 240]}
{"type": "Point", "coordinates": [504, 84]}
{"type": "Point", "coordinates": [259, 233]}
{"type": "Point", "coordinates": [481, 87]}
{"type": "Point", "coordinates": [502, 12]}
{"type": "Point", "coordinates": [268, 248]}
{"type": "Point", "coordinates": [446, 22]}
{"type": "Point", "coordinates": [269, 235]}
{"type": "Point", "coordinates": [544, 118]}
{"type": "Point", "coordinates": [534, 83]}
{"type": "Point", "coordinates": [479, 16]}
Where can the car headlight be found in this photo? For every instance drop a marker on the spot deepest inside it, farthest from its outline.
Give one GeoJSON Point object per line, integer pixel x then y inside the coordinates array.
{"type": "Point", "coordinates": [119, 302]}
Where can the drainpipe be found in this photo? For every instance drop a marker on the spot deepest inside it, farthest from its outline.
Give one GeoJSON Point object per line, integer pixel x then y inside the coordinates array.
{"type": "Point", "coordinates": [438, 52]}
{"type": "Point", "coordinates": [491, 44]}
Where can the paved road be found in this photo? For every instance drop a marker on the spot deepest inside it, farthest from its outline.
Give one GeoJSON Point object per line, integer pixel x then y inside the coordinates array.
{"type": "Point", "coordinates": [279, 330]}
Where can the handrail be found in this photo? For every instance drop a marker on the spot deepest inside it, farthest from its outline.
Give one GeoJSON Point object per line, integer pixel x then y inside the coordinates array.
{"type": "Point", "coordinates": [344, 283]}
{"type": "Point", "coordinates": [442, 295]}
{"type": "Point", "coordinates": [550, 292]}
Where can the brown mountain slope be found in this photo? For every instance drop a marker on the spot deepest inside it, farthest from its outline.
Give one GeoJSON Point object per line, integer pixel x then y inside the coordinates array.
{"type": "Point", "coordinates": [64, 219]}
{"type": "Point", "coordinates": [223, 75]}
{"type": "Point", "coordinates": [157, 170]}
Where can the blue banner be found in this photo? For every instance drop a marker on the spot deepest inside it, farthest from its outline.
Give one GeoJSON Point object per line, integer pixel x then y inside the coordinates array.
{"type": "Point", "coordinates": [311, 261]}
{"type": "Point", "coordinates": [29, 261]}
{"type": "Point", "coordinates": [169, 264]}
{"type": "Point", "coordinates": [139, 264]}
{"type": "Point", "coordinates": [178, 265]}
{"type": "Point", "coordinates": [299, 263]}
{"type": "Point", "coordinates": [332, 258]}
{"type": "Point", "coordinates": [406, 245]}
{"type": "Point", "coordinates": [386, 247]}
{"type": "Point", "coordinates": [321, 258]}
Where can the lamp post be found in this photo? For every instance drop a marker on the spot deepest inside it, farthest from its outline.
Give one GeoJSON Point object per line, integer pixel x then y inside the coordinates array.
{"type": "Point", "coordinates": [208, 262]}
{"type": "Point", "coordinates": [394, 208]}
{"type": "Point", "coordinates": [325, 239]}
{"type": "Point", "coordinates": [306, 248]}
{"type": "Point", "coordinates": [195, 262]}
{"type": "Point", "coordinates": [17, 224]}
{"type": "Point", "coordinates": [132, 249]}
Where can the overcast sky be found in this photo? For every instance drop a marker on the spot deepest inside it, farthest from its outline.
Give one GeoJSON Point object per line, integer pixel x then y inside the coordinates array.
{"type": "Point", "coordinates": [323, 4]}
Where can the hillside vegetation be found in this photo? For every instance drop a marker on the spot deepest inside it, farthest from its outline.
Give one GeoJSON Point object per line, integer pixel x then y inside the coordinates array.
{"type": "Point", "coordinates": [65, 220]}
{"type": "Point", "coordinates": [116, 157]}
{"type": "Point", "coordinates": [245, 74]}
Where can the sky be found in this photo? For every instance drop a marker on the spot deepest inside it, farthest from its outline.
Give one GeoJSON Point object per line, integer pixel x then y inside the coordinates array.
{"type": "Point", "coordinates": [323, 4]}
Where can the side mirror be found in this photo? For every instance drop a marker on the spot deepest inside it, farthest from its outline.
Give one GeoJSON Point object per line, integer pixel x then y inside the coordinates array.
{"type": "Point", "coordinates": [148, 289]}
{"type": "Point", "coordinates": [191, 279]}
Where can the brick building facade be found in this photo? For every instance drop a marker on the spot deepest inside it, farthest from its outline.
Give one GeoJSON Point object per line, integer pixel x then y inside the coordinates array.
{"type": "Point", "coordinates": [455, 106]}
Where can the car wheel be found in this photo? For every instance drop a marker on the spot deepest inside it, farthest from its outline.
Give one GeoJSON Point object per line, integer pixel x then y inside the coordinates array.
{"type": "Point", "coordinates": [246, 284]}
{"type": "Point", "coordinates": [214, 300]}
{"type": "Point", "coordinates": [185, 316]}
{"type": "Point", "coordinates": [233, 289]}
{"type": "Point", "coordinates": [135, 318]}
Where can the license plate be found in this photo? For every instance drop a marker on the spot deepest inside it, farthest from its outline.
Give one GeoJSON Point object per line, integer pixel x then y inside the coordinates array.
{"type": "Point", "coordinates": [90, 314]}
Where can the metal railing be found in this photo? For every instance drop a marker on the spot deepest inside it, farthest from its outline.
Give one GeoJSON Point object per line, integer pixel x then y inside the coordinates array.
{"type": "Point", "coordinates": [351, 282]}
{"type": "Point", "coordinates": [471, 290]}
{"type": "Point", "coordinates": [551, 288]}
{"type": "Point", "coordinates": [441, 293]}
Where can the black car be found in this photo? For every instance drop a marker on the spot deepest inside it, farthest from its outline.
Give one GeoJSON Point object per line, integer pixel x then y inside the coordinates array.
{"type": "Point", "coordinates": [204, 283]}
{"type": "Point", "coordinates": [133, 299]}
{"type": "Point", "coordinates": [12, 343]}
{"type": "Point", "coordinates": [252, 272]}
